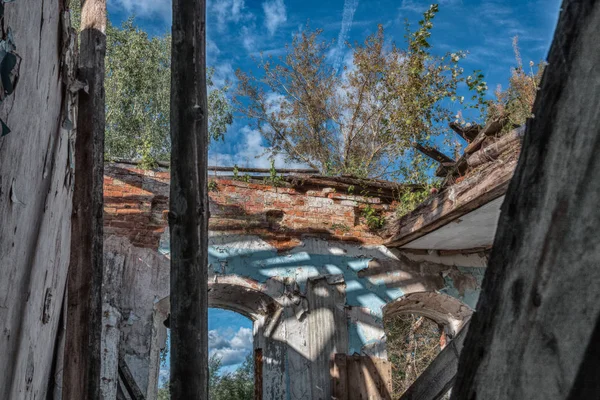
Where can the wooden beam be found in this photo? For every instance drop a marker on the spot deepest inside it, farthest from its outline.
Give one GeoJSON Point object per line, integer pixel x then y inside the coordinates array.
{"type": "Point", "coordinates": [491, 128]}
{"type": "Point", "coordinates": [493, 151]}
{"type": "Point", "coordinates": [536, 332]}
{"type": "Point", "coordinates": [439, 376]}
{"type": "Point", "coordinates": [188, 215]}
{"type": "Point", "coordinates": [81, 373]}
{"type": "Point", "coordinates": [469, 133]}
{"type": "Point", "coordinates": [433, 153]}
{"type": "Point", "coordinates": [167, 164]}
{"type": "Point", "coordinates": [444, 168]}
{"type": "Point", "coordinates": [452, 203]}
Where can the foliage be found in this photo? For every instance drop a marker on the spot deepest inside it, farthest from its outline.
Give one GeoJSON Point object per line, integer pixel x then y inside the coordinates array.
{"type": "Point", "coordinates": [138, 86]}
{"type": "Point", "coordinates": [273, 178]}
{"type": "Point", "coordinates": [340, 227]}
{"type": "Point", "coordinates": [238, 385]}
{"type": "Point", "coordinates": [373, 218]}
{"type": "Point", "coordinates": [238, 177]}
{"type": "Point", "coordinates": [163, 393]}
{"type": "Point", "coordinates": [412, 344]}
{"type": "Point", "coordinates": [516, 102]}
{"type": "Point", "coordinates": [212, 186]}
{"type": "Point", "coordinates": [409, 199]}
{"type": "Point", "coordinates": [363, 121]}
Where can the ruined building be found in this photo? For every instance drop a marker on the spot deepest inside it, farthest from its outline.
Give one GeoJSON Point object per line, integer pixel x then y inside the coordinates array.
{"type": "Point", "coordinates": [305, 256]}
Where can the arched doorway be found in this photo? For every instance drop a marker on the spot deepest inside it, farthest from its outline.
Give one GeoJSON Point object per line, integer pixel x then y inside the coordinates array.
{"type": "Point", "coordinates": [249, 299]}
{"type": "Point", "coordinates": [418, 326]}
{"type": "Point", "coordinates": [231, 358]}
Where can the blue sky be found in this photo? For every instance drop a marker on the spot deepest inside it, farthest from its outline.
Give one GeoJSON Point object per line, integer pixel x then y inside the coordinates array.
{"type": "Point", "coordinates": [229, 337]}
{"type": "Point", "coordinates": [240, 29]}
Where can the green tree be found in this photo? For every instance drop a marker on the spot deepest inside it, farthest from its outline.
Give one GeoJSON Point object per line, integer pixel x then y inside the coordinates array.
{"type": "Point", "coordinates": [138, 87]}
{"type": "Point", "coordinates": [237, 385]}
{"type": "Point", "coordinates": [516, 102]}
{"type": "Point", "coordinates": [138, 84]}
{"type": "Point", "coordinates": [364, 120]}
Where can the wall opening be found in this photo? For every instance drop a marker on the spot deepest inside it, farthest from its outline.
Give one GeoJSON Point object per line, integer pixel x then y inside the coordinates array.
{"type": "Point", "coordinates": [412, 343]}
{"type": "Point", "coordinates": [231, 358]}
{"type": "Point", "coordinates": [418, 327]}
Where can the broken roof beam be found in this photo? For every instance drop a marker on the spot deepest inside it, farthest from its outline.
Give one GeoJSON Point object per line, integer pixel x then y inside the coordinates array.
{"type": "Point", "coordinates": [356, 186]}
{"type": "Point", "coordinates": [433, 153]}
{"type": "Point", "coordinates": [444, 169]}
{"type": "Point", "coordinates": [491, 128]}
{"type": "Point", "coordinates": [452, 203]}
{"type": "Point", "coordinates": [469, 133]}
{"type": "Point", "coordinates": [494, 150]}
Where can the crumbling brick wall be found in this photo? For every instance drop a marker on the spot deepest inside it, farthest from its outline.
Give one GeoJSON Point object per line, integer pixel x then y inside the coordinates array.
{"type": "Point", "coordinates": [136, 207]}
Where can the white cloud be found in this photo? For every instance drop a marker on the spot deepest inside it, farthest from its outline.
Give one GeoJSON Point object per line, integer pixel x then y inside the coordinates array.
{"type": "Point", "coordinates": [224, 73]}
{"type": "Point", "coordinates": [145, 8]}
{"type": "Point", "coordinates": [248, 38]}
{"type": "Point", "coordinates": [216, 341]}
{"type": "Point", "coordinates": [347, 18]}
{"type": "Point", "coordinates": [232, 350]}
{"type": "Point", "coordinates": [242, 339]}
{"type": "Point", "coordinates": [212, 51]}
{"type": "Point", "coordinates": [250, 152]}
{"type": "Point", "coordinates": [275, 14]}
{"type": "Point", "coordinates": [226, 11]}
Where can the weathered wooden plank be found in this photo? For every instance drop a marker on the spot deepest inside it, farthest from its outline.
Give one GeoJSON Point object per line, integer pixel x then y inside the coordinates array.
{"type": "Point", "coordinates": [467, 133]}
{"type": "Point", "coordinates": [188, 216]}
{"type": "Point", "coordinates": [433, 153]}
{"type": "Point", "coordinates": [82, 372]}
{"type": "Point", "coordinates": [360, 377]}
{"type": "Point", "coordinates": [439, 376]}
{"type": "Point", "coordinates": [444, 168]}
{"type": "Point", "coordinates": [494, 150]}
{"type": "Point", "coordinates": [534, 335]}
{"type": "Point", "coordinates": [452, 203]}
{"type": "Point", "coordinates": [491, 128]}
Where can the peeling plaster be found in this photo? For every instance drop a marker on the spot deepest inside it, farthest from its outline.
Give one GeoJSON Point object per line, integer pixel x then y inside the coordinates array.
{"type": "Point", "coordinates": [251, 257]}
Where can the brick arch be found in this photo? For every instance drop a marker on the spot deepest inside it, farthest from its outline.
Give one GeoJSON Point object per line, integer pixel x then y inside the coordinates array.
{"type": "Point", "coordinates": [439, 307]}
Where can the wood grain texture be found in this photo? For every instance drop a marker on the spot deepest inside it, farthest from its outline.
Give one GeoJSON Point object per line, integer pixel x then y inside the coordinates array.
{"type": "Point", "coordinates": [82, 374]}
{"type": "Point", "coordinates": [455, 201]}
{"type": "Point", "coordinates": [535, 332]}
{"type": "Point", "coordinates": [188, 215]}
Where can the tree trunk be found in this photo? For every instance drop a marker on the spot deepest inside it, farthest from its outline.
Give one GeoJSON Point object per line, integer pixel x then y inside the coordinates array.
{"type": "Point", "coordinates": [535, 334]}
{"type": "Point", "coordinates": [81, 375]}
{"type": "Point", "coordinates": [188, 216]}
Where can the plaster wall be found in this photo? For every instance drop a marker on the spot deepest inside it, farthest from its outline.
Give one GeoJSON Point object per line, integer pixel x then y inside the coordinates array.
{"type": "Point", "coordinates": [303, 265]}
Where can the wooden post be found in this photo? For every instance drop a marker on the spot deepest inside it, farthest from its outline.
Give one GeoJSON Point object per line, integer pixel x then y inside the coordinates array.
{"type": "Point", "coordinates": [188, 216]}
{"type": "Point", "coordinates": [339, 377]}
{"type": "Point", "coordinates": [536, 332]}
{"type": "Point", "coordinates": [81, 375]}
{"type": "Point", "coordinates": [258, 374]}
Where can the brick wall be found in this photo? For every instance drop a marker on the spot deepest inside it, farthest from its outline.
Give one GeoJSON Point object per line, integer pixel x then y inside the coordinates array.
{"type": "Point", "coordinates": [136, 206]}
